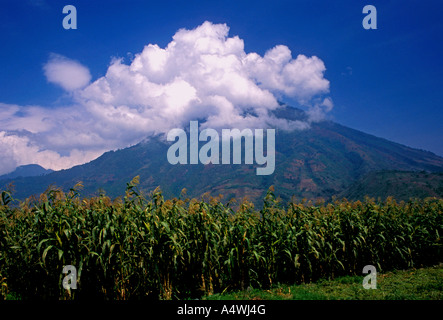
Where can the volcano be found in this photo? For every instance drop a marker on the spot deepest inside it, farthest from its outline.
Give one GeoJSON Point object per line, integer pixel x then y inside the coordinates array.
{"type": "Point", "coordinates": [321, 162]}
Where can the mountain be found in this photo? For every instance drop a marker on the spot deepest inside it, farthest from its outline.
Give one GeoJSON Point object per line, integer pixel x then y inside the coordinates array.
{"type": "Point", "coordinates": [320, 162]}
{"type": "Point", "coordinates": [402, 185]}
{"type": "Point", "coordinates": [29, 170]}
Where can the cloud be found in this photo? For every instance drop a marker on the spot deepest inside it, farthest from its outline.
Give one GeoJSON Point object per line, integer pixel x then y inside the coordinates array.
{"type": "Point", "coordinates": [202, 74]}
{"type": "Point", "coordinates": [301, 78]}
{"type": "Point", "coordinates": [18, 150]}
{"type": "Point", "coordinates": [53, 138]}
{"type": "Point", "coordinates": [68, 74]}
{"type": "Point", "coordinates": [318, 111]}
{"type": "Point", "coordinates": [348, 72]}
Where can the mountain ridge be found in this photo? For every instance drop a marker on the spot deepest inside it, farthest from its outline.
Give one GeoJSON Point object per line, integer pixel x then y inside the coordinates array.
{"type": "Point", "coordinates": [319, 162]}
{"type": "Point", "coordinates": [28, 170]}
{"type": "Point", "coordinates": [401, 185]}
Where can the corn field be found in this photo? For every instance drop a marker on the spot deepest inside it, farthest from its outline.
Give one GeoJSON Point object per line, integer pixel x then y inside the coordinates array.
{"type": "Point", "coordinates": [146, 247]}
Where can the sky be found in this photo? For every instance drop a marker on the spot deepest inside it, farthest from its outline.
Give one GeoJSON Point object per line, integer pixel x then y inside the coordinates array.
{"type": "Point", "coordinates": [136, 68]}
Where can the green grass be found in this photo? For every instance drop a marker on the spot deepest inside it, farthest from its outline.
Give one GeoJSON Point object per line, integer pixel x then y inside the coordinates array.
{"type": "Point", "coordinates": [412, 284]}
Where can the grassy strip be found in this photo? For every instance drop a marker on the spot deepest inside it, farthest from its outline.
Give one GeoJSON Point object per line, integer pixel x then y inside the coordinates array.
{"type": "Point", "coordinates": [412, 284]}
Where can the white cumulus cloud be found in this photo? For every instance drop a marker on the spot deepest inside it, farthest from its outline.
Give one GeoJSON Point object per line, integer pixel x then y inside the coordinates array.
{"type": "Point", "coordinates": [202, 74]}
{"type": "Point", "coordinates": [68, 74]}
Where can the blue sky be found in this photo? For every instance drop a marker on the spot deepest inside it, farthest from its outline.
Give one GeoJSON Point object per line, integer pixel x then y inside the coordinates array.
{"type": "Point", "coordinates": [387, 82]}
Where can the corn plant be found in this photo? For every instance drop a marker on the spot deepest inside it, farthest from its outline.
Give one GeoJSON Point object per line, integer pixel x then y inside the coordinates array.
{"type": "Point", "coordinates": [146, 247]}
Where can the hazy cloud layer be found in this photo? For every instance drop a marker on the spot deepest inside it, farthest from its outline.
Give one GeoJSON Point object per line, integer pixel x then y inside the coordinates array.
{"type": "Point", "coordinates": [202, 74]}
